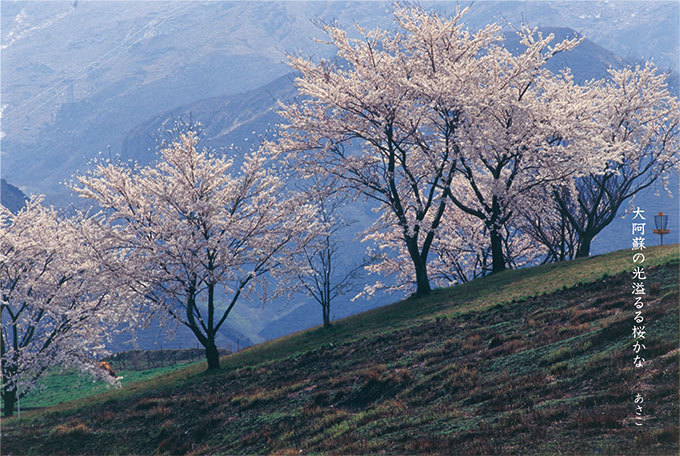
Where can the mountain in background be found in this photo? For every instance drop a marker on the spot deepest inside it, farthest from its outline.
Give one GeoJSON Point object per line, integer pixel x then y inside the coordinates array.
{"type": "Point", "coordinates": [226, 121]}
{"type": "Point", "coordinates": [77, 76]}
{"type": "Point", "coordinates": [11, 197]}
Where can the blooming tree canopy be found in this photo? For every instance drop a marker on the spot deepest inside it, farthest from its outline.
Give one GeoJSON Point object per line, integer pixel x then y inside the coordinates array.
{"type": "Point", "coordinates": [638, 130]}
{"type": "Point", "coordinates": [369, 119]}
{"type": "Point", "coordinates": [526, 130]}
{"type": "Point", "coordinates": [194, 228]}
{"type": "Point", "coordinates": [57, 308]}
{"type": "Point", "coordinates": [398, 115]}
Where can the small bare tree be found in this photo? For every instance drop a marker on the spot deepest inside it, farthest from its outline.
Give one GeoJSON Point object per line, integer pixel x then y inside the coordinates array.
{"type": "Point", "coordinates": [327, 273]}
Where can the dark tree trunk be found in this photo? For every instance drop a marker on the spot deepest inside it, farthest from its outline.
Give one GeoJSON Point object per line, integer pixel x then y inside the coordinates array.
{"type": "Point", "coordinates": [497, 257]}
{"type": "Point", "coordinates": [584, 245]}
{"type": "Point", "coordinates": [8, 369]}
{"type": "Point", "coordinates": [420, 265]}
{"type": "Point", "coordinates": [422, 282]}
{"type": "Point", "coordinates": [212, 355]}
{"type": "Point", "coordinates": [563, 238]}
{"type": "Point", "coordinates": [9, 400]}
{"type": "Point", "coordinates": [326, 314]}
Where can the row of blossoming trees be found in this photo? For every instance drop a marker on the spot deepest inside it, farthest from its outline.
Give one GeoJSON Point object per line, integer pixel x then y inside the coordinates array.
{"type": "Point", "coordinates": [477, 159]}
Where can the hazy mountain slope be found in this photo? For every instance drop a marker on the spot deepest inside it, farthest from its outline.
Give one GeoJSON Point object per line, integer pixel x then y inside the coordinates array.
{"type": "Point", "coordinates": [75, 79]}
{"type": "Point", "coordinates": [77, 75]}
{"type": "Point", "coordinates": [11, 197]}
{"type": "Point", "coordinates": [227, 120]}
{"type": "Point", "coordinates": [632, 29]}
{"type": "Point", "coordinates": [536, 361]}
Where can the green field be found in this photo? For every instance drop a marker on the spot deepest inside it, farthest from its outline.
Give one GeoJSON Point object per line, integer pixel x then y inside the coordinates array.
{"type": "Point", "coordinates": [531, 361]}
{"type": "Point", "coordinates": [58, 387]}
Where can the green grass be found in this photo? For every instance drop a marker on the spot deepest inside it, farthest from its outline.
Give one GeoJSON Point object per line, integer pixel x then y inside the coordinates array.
{"type": "Point", "coordinates": [59, 387]}
{"type": "Point", "coordinates": [480, 294]}
{"type": "Point", "coordinates": [473, 296]}
{"type": "Point", "coordinates": [521, 362]}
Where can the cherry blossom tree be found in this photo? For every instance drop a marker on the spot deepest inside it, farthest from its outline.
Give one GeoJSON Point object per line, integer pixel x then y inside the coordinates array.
{"type": "Point", "coordinates": [464, 252]}
{"type": "Point", "coordinates": [528, 132]}
{"type": "Point", "coordinates": [57, 309]}
{"type": "Point", "coordinates": [382, 120]}
{"type": "Point", "coordinates": [194, 227]}
{"type": "Point", "coordinates": [398, 115]}
{"type": "Point", "coordinates": [460, 251]}
{"type": "Point", "coordinates": [547, 225]}
{"type": "Point", "coordinates": [391, 259]}
{"type": "Point", "coordinates": [638, 128]}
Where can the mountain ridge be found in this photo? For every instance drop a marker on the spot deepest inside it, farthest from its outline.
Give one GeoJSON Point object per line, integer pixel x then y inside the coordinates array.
{"type": "Point", "coordinates": [77, 76]}
{"type": "Point", "coordinates": [11, 196]}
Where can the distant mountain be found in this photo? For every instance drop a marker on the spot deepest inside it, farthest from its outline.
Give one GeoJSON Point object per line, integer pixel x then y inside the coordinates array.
{"type": "Point", "coordinates": [11, 197]}
{"type": "Point", "coordinates": [227, 120]}
{"type": "Point", "coordinates": [587, 61]}
{"type": "Point", "coordinates": [77, 76]}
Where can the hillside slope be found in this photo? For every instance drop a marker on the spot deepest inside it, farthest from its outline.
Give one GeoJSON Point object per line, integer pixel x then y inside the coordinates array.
{"type": "Point", "coordinates": [11, 197]}
{"type": "Point", "coordinates": [535, 361]}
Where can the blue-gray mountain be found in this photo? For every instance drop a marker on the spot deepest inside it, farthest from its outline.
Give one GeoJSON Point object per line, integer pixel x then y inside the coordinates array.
{"type": "Point", "coordinates": [11, 196]}
{"type": "Point", "coordinates": [77, 76]}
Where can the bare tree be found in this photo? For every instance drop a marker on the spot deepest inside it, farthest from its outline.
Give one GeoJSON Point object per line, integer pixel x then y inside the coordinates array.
{"type": "Point", "coordinates": [328, 274]}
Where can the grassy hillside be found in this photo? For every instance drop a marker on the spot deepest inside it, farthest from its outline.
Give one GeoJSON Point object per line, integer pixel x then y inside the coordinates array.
{"type": "Point", "coordinates": [133, 366]}
{"type": "Point", "coordinates": [535, 361]}
{"type": "Point", "coordinates": [60, 387]}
